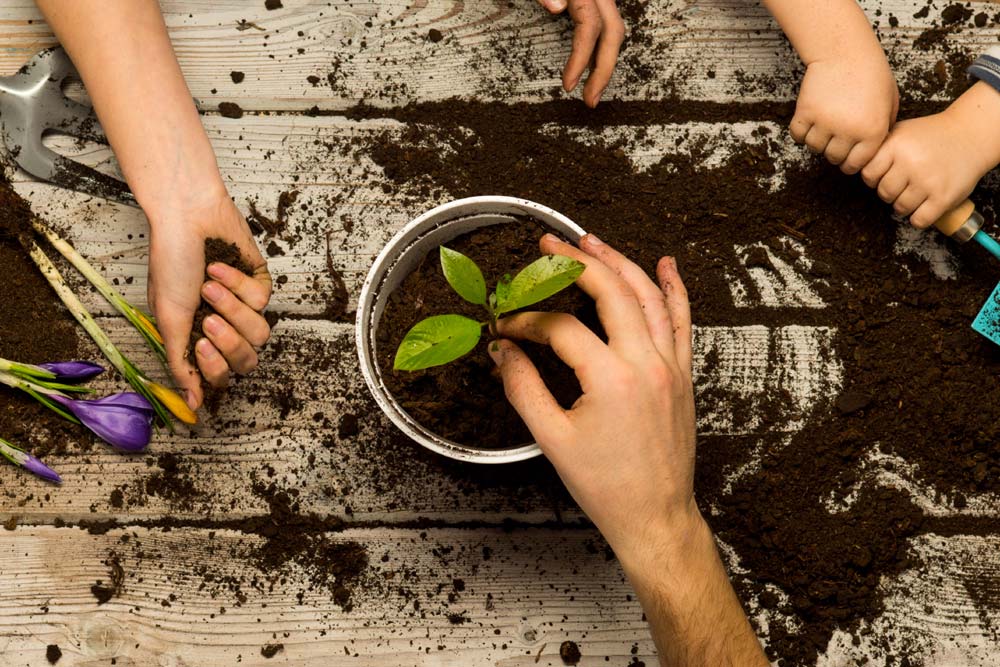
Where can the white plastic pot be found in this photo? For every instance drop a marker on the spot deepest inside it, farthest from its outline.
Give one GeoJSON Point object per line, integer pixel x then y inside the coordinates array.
{"type": "Point", "coordinates": [397, 260]}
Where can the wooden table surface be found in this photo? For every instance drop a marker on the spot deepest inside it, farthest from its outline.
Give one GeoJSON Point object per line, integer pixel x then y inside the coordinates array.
{"type": "Point", "coordinates": [545, 581]}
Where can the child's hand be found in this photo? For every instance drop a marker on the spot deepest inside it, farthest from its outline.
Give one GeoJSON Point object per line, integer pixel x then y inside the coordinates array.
{"type": "Point", "coordinates": [597, 38]}
{"type": "Point", "coordinates": [177, 286]}
{"type": "Point", "coordinates": [845, 108]}
{"type": "Point", "coordinates": [930, 165]}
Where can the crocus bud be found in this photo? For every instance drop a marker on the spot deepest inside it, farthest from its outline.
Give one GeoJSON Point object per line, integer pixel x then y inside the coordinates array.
{"type": "Point", "coordinates": [124, 421]}
{"type": "Point", "coordinates": [73, 371]}
{"type": "Point", "coordinates": [33, 465]}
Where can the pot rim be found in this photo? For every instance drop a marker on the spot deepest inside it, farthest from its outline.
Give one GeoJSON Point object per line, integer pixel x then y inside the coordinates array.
{"type": "Point", "coordinates": [404, 241]}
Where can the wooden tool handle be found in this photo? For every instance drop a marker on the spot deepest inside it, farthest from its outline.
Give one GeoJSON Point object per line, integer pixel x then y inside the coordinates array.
{"type": "Point", "coordinates": [953, 221]}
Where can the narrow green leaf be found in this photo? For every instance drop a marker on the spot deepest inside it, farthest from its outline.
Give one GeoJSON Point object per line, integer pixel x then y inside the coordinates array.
{"type": "Point", "coordinates": [537, 281]}
{"type": "Point", "coordinates": [464, 276]}
{"type": "Point", "coordinates": [436, 341]}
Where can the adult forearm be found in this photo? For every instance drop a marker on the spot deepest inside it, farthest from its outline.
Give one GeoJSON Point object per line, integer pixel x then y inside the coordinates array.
{"type": "Point", "coordinates": [821, 29]}
{"type": "Point", "coordinates": [124, 56]}
{"type": "Point", "coordinates": [693, 612]}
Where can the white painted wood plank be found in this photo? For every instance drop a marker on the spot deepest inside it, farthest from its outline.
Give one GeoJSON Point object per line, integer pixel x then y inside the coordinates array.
{"type": "Point", "coordinates": [380, 52]}
{"type": "Point", "coordinates": [537, 589]}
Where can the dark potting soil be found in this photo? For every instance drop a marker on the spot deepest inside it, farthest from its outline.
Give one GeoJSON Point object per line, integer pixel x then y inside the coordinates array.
{"type": "Point", "coordinates": [53, 653]}
{"type": "Point", "coordinates": [570, 653]}
{"type": "Point", "coordinates": [34, 328]}
{"type": "Point", "coordinates": [903, 336]}
{"type": "Point", "coordinates": [216, 250]}
{"type": "Point", "coordinates": [464, 401]}
{"type": "Point", "coordinates": [230, 110]}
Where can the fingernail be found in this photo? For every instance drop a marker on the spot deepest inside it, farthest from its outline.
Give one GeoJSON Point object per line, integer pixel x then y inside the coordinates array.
{"type": "Point", "coordinates": [189, 399]}
{"type": "Point", "coordinates": [555, 5]}
{"type": "Point", "coordinates": [212, 325]}
{"type": "Point", "coordinates": [496, 352]}
{"type": "Point", "coordinates": [550, 238]}
{"type": "Point", "coordinates": [206, 349]}
{"type": "Point", "coordinates": [212, 291]}
{"type": "Point", "coordinates": [216, 270]}
{"type": "Point", "coordinates": [592, 240]}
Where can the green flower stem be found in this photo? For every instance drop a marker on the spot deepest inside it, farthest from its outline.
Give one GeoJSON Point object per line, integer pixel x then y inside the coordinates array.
{"type": "Point", "coordinates": [8, 366]}
{"type": "Point", "coordinates": [138, 319]}
{"type": "Point", "coordinates": [133, 375]}
{"type": "Point", "coordinates": [39, 392]}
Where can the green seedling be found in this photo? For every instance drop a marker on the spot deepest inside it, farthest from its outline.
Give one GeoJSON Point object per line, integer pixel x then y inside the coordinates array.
{"type": "Point", "coordinates": [441, 339]}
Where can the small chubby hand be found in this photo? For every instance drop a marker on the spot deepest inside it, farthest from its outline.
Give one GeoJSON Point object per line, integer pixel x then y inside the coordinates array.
{"type": "Point", "coordinates": [928, 166]}
{"type": "Point", "coordinates": [845, 108]}
{"type": "Point", "coordinates": [626, 448]}
{"type": "Point", "coordinates": [177, 286]}
{"type": "Point", "coordinates": [598, 34]}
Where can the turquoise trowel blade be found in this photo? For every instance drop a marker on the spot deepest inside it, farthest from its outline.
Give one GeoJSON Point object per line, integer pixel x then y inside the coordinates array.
{"type": "Point", "coordinates": [987, 322]}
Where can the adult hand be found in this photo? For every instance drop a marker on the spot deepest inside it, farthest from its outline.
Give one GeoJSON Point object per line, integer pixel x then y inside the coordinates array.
{"type": "Point", "coordinates": [928, 166]}
{"type": "Point", "coordinates": [626, 449]}
{"type": "Point", "coordinates": [845, 108]}
{"type": "Point", "coordinates": [597, 38]}
{"type": "Point", "coordinates": [177, 285]}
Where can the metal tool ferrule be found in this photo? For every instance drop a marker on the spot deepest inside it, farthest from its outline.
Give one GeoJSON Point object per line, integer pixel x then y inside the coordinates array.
{"type": "Point", "coordinates": [965, 233]}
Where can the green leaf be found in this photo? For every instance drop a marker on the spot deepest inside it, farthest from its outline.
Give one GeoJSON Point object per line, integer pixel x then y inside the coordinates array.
{"type": "Point", "coordinates": [464, 276]}
{"type": "Point", "coordinates": [537, 281]}
{"type": "Point", "coordinates": [436, 341]}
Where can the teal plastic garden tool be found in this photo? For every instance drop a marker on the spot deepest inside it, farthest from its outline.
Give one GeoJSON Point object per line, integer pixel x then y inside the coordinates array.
{"type": "Point", "coordinates": [964, 224]}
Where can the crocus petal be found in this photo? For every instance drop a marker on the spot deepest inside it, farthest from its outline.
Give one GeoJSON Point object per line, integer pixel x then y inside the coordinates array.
{"type": "Point", "coordinates": [128, 399]}
{"type": "Point", "coordinates": [173, 402]}
{"type": "Point", "coordinates": [73, 371]}
{"type": "Point", "coordinates": [119, 420]}
{"type": "Point", "coordinates": [35, 466]}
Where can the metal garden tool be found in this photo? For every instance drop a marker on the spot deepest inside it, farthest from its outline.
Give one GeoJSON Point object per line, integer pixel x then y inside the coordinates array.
{"type": "Point", "coordinates": [33, 104]}
{"type": "Point", "coordinates": [965, 224]}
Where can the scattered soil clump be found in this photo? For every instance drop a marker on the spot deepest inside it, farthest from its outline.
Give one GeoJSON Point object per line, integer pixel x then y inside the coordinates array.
{"type": "Point", "coordinates": [230, 110]}
{"type": "Point", "coordinates": [53, 653]}
{"type": "Point", "coordinates": [464, 401]}
{"type": "Point", "coordinates": [570, 653]}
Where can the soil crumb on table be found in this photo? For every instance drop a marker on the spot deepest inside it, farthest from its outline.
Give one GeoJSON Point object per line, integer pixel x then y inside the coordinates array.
{"type": "Point", "coordinates": [53, 653]}
{"type": "Point", "coordinates": [230, 110]}
{"type": "Point", "coordinates": [569, 652]}
{"type": "Point", "coordinates": [271, 650]}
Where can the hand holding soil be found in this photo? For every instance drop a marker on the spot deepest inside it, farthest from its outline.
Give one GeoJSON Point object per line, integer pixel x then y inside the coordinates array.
{"type": "Point", "coordinates": [178, 281]}
{"type": "Point", "coordinates": [598, 34]}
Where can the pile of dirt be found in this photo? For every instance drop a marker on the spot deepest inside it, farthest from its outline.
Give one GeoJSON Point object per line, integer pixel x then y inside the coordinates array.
{"type": "Point", "coordinates": [904, 338]}
{"type": "Point", "coordinates": [29, 306]}
{"type": "Point", "coordinates": [464, 401]}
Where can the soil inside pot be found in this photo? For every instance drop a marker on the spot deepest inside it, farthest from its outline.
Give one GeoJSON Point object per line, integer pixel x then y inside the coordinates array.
{"type": "Point", "coordinates": [464, 401]}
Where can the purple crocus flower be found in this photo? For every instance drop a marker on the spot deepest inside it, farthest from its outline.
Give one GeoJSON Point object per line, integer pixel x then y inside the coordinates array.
{"type": "Point", "coordinates": [124, 420]}
{"type": "Point", "coordinates": [22, 458]}
{"type": "Point", "coordinates": [73, 371]}
{"type": "Point", "coordinates": [35, 466]}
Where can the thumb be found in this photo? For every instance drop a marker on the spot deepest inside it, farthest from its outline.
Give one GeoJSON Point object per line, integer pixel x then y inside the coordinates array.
{"type": "Point", "coordinates": [175, 327]}
{"type": "Point", "coordinates": [553, 6]}
{"type": "Point", "coordinates": [527, 392]}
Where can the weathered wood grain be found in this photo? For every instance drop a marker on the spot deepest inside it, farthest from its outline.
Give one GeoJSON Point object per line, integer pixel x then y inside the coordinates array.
{"type": "Point", "coordinates": [528, 597]}
{"type": "Point", "coordinates": [380, 52]}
